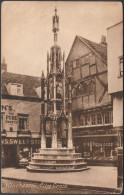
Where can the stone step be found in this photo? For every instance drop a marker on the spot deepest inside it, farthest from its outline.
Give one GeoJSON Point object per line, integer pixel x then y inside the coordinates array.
{"type": "Point", "coordinates": [56, 171]}
{"type": "Point", "coordinates": [57, 151]}
{"type": "Point", "coordinates": [53, 157]}
{"type": "Point", "coordinates": [56, 161]}
{"type": "Point", "coordinates": [57, 166]}
{"type": "Point", "coordinates": [50, 164]}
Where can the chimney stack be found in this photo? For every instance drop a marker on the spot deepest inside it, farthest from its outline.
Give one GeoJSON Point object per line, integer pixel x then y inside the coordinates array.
{"type": "Point", "coordinates": [3, 66]}
{"type": "Point", "coordinates": [103, 40]}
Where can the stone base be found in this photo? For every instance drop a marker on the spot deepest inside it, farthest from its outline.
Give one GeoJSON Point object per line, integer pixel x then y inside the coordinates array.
{"type": "Point", "coordinates": [57, 160]}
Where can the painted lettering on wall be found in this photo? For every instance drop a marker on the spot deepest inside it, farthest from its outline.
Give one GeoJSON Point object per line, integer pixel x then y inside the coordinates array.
{"type": "Point", "coordinates": [13, 141]}
{"type": "Point", "coordinates": [10, 115]}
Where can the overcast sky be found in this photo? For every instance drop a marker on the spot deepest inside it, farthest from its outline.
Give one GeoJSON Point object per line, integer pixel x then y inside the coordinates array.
{"type": "Point", "coordinates": [27, 29]}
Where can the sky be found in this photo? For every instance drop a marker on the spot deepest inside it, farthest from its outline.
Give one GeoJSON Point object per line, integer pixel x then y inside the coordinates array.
{"type": "Point", "coordinates": [26, 29]}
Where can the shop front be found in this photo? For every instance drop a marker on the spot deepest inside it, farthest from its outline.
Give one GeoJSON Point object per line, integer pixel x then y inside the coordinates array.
{"type": "Point", "coordinates": [96, 147]}
{"type": "Point", "coordinates": [18, 151]}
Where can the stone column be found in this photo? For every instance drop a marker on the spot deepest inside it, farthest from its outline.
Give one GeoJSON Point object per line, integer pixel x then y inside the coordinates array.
{"type": "Point", "coordinates": [54, 133]}
{"type": "Point", "coordinates": [70, 143]}
{"type": "Point", "coordinates": [43, 138]}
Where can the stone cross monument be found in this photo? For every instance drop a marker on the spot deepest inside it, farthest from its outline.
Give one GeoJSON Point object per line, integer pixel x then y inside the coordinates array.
{"type": "Point", "coordinates": [57, 158]}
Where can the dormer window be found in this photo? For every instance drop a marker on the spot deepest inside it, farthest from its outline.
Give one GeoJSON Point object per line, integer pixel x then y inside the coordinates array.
{"type": "Point", "coordinates": [15, 89]}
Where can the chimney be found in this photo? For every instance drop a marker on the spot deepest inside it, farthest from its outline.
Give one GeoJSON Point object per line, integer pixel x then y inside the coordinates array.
{"type": "Point", "coordinates": [103, 40]}
{"type": "Point", "coordinates": [3, 66]}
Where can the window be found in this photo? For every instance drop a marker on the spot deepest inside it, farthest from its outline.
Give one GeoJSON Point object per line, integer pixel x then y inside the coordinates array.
{"type": "Point", "coordinates": [107, 117]}
{"type": "Point", "coordinates": [87, 120]}
{"type": "Point", "coordinates": [16, 89]}
{"type": "Point", "coordinates": [82, 122]}
{"type": "Point", "coordinates": [99, 118]}
{"type": "Point", "coordinates": [121, 66]}
{"type": "Point", "coordinates": [93, 119]}
{"type": "Point", "coordinates": [23, 122]}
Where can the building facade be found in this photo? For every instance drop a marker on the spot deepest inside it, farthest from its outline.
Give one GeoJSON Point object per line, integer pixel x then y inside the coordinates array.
{"type": "Point", "coordinates": [115, 75]}
{"type": "Point", "coordinates": [92, 109]}
{"type": "Point", "coordinates": [20, 117]}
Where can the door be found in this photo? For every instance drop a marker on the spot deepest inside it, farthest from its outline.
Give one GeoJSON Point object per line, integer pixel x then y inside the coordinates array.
{"type": "Point", "coordinates": [10, 153]}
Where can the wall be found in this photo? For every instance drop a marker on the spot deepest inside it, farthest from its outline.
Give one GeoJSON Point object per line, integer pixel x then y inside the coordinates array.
{"type": "Point", "coordinates": [115, 50]}
{"type": "Point", "coordinates": [117, 111]}
{"type": "Point", "coordinates": [13, 107]}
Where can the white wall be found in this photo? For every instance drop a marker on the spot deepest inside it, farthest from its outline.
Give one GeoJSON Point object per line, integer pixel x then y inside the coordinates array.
{"type": "Point", "coordinates": [117, 111]}
{"type": "Point", "coordinates": [115, 50]}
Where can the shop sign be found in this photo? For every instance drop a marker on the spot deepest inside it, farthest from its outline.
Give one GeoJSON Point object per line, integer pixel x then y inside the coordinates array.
{"type": "Point", "coordinates": [14, 141]}
{"type": "Point", "coordinates": [95, 132]}
{"type": "Point", "coordinates": [10, 114]}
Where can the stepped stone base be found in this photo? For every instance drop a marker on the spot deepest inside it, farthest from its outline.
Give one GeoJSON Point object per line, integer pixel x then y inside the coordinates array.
{"type": "Point", "coordinates": [57, 160]}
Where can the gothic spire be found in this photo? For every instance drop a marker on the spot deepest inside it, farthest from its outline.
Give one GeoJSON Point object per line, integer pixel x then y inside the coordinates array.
{"type": "Point", "coordinates": [55, 26]}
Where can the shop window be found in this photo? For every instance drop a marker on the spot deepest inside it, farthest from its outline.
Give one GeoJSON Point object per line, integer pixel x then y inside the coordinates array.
{"type": "Point", "coordinates": [87, 120]}
{"type": "Point", "coordinates": [23, 122]}
{"type": "Point", "coordinates": [93, 119]}
{"type": "Point", "coordinates": [107, 117]}
{"type": "Point", "coordinates": [99, 118]}
{"type": "Point", "coordinates": [121, 66]}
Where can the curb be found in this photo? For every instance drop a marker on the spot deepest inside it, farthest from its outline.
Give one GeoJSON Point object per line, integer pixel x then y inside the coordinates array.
{"type": "Point", "coordinates": [103, 189]}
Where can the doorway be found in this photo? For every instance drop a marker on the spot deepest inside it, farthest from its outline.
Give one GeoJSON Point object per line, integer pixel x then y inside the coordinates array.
{"type": "Point", "coordinates": [10, 156]}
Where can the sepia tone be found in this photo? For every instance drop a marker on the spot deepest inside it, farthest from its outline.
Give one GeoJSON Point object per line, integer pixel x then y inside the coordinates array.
{"type": "Point", "coordinates": [62, 97]}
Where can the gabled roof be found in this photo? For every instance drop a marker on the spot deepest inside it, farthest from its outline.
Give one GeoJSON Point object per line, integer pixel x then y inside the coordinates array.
{"type": "Point", "coordinates": [29, 83]}
{"type": "Point", "coordinates": [98, 48]}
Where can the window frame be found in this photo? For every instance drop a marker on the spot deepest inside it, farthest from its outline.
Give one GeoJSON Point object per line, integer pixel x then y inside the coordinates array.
{"type": "Point", "coordinates": [92, 118]}
{"type": "Point", "coordinates": [109, 115]}
{"type": "Point", "coordinates": [23, 116]}
{"type": "Point", "coordinates": [17, 86]}
{"type": "Point", "coordinates": [101, 118]}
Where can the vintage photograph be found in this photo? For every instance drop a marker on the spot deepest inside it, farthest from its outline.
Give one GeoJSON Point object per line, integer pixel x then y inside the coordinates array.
{"type": "Point", "coordinates": [62, 97]}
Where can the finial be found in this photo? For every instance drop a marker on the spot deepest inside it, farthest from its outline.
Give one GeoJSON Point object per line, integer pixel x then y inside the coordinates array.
{"type": "Point", "coordinates": [47, 56]}
{"type": "Point", "coordinates": [55, 11]}
{"type": "Point", "coordinates": [55, 26]}
{"type": "Point", "coordinates": [3, 60]}
{"type": "Point", "coordinates": [42, 74]}
{"type": "Point", "coordinates": [63, 55]}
